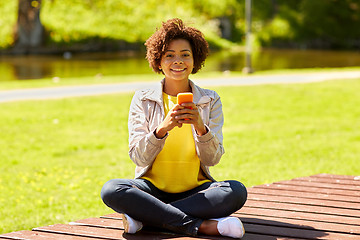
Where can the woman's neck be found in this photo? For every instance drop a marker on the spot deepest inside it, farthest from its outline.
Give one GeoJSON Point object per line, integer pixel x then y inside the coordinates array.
{"type": "Point", "coordinates": [172, 88]}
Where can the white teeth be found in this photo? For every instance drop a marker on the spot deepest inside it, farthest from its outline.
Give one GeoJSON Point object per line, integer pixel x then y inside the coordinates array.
{"type": "Point", "coordinates": [178, 70]}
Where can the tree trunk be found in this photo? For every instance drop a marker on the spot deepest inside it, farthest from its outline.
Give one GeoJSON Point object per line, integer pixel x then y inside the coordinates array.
{"type": "Point", "coordinates": [29, 30]}
{"type": "Point", "coordinates": [275, 8]}
{"type": "Point", "coordinates": [225, 27]}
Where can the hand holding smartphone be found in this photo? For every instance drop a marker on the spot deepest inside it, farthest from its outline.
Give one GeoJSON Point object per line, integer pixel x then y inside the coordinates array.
{"type": "Point", "coordinates": [184, 98]}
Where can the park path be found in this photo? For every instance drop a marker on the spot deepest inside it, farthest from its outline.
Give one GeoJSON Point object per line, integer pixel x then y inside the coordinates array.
{"type": "Point", "coordinates": [99, 89]}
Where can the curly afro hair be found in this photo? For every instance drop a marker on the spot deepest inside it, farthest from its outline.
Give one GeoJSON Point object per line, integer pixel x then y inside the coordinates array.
{"type": "Point", "coordinates": [174, 29]}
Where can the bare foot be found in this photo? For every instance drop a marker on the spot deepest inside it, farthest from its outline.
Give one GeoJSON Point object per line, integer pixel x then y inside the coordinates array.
{"type": "Point", "coordinates": [209, 227]}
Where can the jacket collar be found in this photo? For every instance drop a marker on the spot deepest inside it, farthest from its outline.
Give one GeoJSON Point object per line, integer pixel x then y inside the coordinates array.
{"type": "Point", "coordinates": [200, 97]}
{"type": "Point", "coordinates": [153, 93]}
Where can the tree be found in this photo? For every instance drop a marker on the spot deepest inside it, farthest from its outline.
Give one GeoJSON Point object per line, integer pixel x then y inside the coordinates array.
{"type": "Point", "coordinates": [29, 30]}
{"type": "Point", "coordinates": [333, 23]}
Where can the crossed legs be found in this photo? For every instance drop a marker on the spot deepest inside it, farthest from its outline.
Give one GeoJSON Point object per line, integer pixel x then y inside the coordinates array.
{"type": "Point", "coordinates": [186, 213]}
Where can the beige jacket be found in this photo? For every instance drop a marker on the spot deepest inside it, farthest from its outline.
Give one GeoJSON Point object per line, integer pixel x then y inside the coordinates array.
{"type": "Point", "coordinates": [147, 112]}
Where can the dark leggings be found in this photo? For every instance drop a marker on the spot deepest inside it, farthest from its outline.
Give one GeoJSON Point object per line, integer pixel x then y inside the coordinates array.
{"type": "Point", "coordinates": [179, 212]}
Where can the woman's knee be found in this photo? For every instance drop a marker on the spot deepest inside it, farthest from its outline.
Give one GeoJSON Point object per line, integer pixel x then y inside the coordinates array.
{"type": "Point", "coordinates": [239, 192]}
{"type": "Point", "coordinates": [110, 189]}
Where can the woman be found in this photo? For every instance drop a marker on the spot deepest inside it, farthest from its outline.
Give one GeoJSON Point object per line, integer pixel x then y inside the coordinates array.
{"type": "Point", "coordinates": [173, 146]}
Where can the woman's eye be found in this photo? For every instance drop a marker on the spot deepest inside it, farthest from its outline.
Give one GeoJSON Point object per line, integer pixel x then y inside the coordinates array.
{"type": "Point", "coordinates": [169, 55]}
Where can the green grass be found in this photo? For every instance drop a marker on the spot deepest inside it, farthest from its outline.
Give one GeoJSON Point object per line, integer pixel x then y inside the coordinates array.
{"type": "Point", "coordinates": [56, 154]}
{"type": "Point", "coordinates": [50, 82]}
{"type": "Point", "coordinates": [275, 132]}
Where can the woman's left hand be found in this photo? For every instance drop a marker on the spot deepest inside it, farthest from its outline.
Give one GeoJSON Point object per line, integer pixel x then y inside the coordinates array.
{"type": "Point", "coordinates": [188, 113]}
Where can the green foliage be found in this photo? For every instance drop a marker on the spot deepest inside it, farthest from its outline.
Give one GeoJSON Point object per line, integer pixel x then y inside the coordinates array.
{"type": "Point", "coordinates": [68, 21]}
{"type": "Point", "coordinates": [314, 24]}
{"type": "Point", "coordinates": [132, 21]}
{"type": "Point", "coordinates": [8, 16]}
{"type": "Point", "coordinates": [336, 23]}
{"type": "Point", "coordinates": [283, 27]}
{"type": "Point", "coordinates": [278, 30]}
{"type": "Point", "coordinates": [299, 23]}
{"type": "Point", "coordinates": [214, 8]}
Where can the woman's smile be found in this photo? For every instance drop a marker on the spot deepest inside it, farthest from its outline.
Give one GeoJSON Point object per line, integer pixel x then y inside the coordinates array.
{"type": "Point", "coordinates": [178, 70]}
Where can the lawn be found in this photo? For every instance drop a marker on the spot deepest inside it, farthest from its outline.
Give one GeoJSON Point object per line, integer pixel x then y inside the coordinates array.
{"type": "Point", "coordinates": [56, 154]}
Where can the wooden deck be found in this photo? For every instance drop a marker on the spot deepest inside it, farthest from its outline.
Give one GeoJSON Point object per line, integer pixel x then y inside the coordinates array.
{"type": "Point", "coordinates": [317, 207]}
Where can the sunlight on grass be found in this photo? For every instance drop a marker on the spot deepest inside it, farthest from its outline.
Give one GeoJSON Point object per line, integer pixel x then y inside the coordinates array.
{"type": "Point", "coordinates": [56, 154]}
{"type": "Point", "coordinates": [276, 132]}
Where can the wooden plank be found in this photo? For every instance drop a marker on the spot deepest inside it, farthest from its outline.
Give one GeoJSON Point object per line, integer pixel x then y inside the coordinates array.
{"type": "Point", "coordinates": [303, 201]}
{"type": "Point", "coordinates": [100, 222]}
{"type": "Point", "coordinates": [321, 206]}
{"type": "Point", "coordinates": [83, 231]}
{"type": "Point", "coordinates": [115, 223]}
{"type": "Point", "coordinates": [310, 189]}
{"type": "Point", "coordinates": [353, 189]}
{"type": "Point", "coordinates": [252, 236]}
{"type": "Point", "coordinates": [299, 215]}
{"type": "Point", "coordinates": [33, 235]}
{"type": "Point", "coordinates": [156, 236]}
{"type": "Point", "coordinates": [344, 224]}
{"type": "Point", "coordinates": [328, 180]}
{"type": "Point", "coordinates": [111, 222]}
{"type": "Point", "coordinates": [306, 195]}
{"type": "Point", "coordinates": [296, 233]}
{"type": "Point", "coordinates": [303, 208]}
{"type": "Point", "coordinates": [112, 216]}
{"type": "Point", "coordinates": [299, 223]}
{"type": "Point", "coordinates": [347, 177]}
{"type": "Point", "coordinates": [114, 234]}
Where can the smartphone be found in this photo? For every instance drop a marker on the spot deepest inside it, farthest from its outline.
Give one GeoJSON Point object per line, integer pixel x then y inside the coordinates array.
{"type": "Point", "coordinates": [184, 97]}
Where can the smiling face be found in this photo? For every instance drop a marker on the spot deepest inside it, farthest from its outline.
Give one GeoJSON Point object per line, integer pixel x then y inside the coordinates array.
{"type": "Point", "coordinates": [177, 62]}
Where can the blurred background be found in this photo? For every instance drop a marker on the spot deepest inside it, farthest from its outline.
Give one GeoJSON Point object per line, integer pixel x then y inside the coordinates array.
{"type": "Point", "coordinates": [75, 38]}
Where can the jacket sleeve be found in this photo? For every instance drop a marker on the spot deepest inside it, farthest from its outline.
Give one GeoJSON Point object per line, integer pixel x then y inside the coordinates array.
{"type": "Point", "coordinates": [210, 146]}
{"type": "Point", "coordinates": [144, 146]}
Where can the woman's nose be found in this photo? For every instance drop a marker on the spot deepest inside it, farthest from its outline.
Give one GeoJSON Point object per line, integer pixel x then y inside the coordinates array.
{"type": "Point", "coordinates": [178, 60]}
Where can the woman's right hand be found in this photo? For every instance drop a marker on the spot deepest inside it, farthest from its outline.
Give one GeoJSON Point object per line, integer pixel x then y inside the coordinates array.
{"type": "Point", "coordinates": [169, 122]}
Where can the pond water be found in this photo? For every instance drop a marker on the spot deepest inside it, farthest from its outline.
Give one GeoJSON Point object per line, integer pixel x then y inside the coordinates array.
{"type": "Point", "coordinates": [115, 63]}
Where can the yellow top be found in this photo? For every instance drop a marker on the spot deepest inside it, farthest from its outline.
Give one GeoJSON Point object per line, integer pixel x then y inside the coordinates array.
{"type": "Point", "coordinates": [177, 167]}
